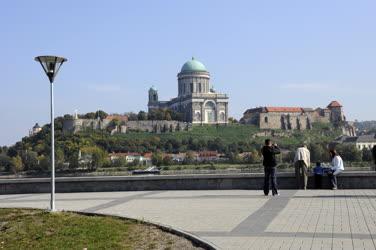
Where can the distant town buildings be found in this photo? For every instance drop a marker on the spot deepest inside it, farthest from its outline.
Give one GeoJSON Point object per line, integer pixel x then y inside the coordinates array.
{"type": "Point", "coordinates": [360, 142]}
{"type": "Point", "coordinates": [291, 118]}
{"type": "Point", "coordinates": [197, 100]}
{"type": "Point", "coordinates": [144, 159]}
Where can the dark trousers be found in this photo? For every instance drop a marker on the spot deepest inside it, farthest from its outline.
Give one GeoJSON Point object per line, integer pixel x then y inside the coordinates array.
{"type": "Point", "coordinates": [301, 175]}
{"type": "Point", "coordinates": [318, 181]}
{"type": "Point", "coordinates": [333, 179]}
{"type": "Point", "coordinates": [270, 173]}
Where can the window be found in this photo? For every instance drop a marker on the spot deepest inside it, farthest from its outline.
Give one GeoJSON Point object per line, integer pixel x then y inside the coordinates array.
{"type": "Point", "coordinates": [266, 119]}
{"type": "Point", "coordinates": [222, 117]}
{"type": "Point", "coordinates": [199, 88]}
{"type": "Point", "coordinates": [210, 110]}
{"type": "Point", "coordinates": [191, 87]}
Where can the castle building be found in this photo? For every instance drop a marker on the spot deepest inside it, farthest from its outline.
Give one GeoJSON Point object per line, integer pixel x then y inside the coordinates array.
{"type": "Point", "coordinates": [197, 100]}
{"type": "Point", "coordinates": [290, 118]}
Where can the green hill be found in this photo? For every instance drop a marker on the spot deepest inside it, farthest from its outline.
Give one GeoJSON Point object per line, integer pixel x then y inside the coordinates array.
{"type": "Point", "coordinates": [33, 153]}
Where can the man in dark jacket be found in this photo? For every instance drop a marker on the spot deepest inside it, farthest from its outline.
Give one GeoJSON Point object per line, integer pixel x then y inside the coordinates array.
{"type": "Point", "coordinates": [270, 164]}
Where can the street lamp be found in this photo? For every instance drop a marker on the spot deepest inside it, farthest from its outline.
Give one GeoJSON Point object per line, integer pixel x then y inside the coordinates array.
{"type": "Point", "coordinates": [51, 66]}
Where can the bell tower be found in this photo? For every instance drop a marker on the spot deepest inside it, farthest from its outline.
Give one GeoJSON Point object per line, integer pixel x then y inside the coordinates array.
{"type": "Point", "coordinates": [153, 98]}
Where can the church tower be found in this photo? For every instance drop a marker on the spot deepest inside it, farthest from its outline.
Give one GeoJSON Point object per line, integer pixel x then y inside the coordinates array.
{"type": "Point", "coordinates": [153, 98]}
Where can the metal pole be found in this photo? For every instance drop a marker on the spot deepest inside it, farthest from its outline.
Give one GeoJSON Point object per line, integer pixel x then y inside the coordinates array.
{"type": "Point", "coordinates": [52, 149]}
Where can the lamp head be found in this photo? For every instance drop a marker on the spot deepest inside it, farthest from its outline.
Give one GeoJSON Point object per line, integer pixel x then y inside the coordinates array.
{"type": "Point", "coordinates": [50, 65]}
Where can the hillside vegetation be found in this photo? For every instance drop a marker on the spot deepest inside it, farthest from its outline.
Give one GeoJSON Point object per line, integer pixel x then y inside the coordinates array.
{"type": "Point", "coordinates": [33, 153]}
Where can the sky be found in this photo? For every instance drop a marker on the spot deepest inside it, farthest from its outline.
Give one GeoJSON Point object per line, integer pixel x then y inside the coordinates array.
{"type": "Point", "coordinates": [260, 53]}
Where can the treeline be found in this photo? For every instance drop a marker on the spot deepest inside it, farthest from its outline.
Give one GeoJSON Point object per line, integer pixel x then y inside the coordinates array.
{"type": "Point", "coordinates": [89, 150]}
{"type": "Point", "coordinates": [156, 114]}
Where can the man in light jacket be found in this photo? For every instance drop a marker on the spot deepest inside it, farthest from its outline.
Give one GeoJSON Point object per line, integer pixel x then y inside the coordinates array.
{"type": "Point", "coordinates": [302, 161]}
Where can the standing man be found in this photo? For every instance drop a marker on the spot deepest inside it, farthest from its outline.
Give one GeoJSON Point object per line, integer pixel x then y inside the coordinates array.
{"type": "Point", "coordinates": [270, 164]}
{"type": "Point", "coordinates": [302, 161]}
{"type": "Point", "coordinates": [374, 155]}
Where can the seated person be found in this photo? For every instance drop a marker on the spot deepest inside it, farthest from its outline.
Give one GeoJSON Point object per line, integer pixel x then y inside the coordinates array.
{"type": "Point", "coordinates": [318, 172]}
{"type": "Point", "coordinates": [336, 167]}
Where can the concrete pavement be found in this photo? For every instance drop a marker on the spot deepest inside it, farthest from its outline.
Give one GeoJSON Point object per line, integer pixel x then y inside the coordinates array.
{"type": "Point", "coordinates": [238, 219]}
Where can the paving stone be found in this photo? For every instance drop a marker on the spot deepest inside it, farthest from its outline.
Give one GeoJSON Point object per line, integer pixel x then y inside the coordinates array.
{"type": "Point", "coordinates": [238, 219]}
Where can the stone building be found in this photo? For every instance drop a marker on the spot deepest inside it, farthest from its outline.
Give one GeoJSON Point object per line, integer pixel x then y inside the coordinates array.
{"type": "Point", "coordinates": [360, 142]}
{"type": "Point", "coordinates": [197, 100]}
{"type": "Point", "coordinates": [76, 124]}
{"type": "Point", "coordinates": [35, 129]}
{"type": "Point", "coordinates": [290, 118]}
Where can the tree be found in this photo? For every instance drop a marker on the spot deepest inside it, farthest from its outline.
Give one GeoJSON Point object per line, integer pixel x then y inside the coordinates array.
{"type": "Point", "coordinates": [319, 152]}
{"type": "Point", "coordinates": [119, 162]}
{"type": "Point", "coordinates": [60, 158]}
{"type": "Point", "coordinates": [232, 120]}
{"type": "Point", "coordinates": [167, 160]}
{"type": "Point", "coordinates": [349, 153]}
{"type": "Point", "coordinates": [90, 115]}
{"type": "Point", "coordinates": [115, 122]}
{"type": "Point", "coordinates": [12, 152]}
{"type": "Point", "coordinates": [366, 154]}
{"type": "Point", "coordinates": [159, 114]}
{"type": "Point", "coordinates": [67, 117]}
{"type": "Point", "coordinates": [189, 157]}
{"type": "Point", "coordinates": [253, 157]}
{"type": "Point", "coordinates": [98, 156]}
{"type": "Point", "coordinates": [374, 153]}
{"type": "Point", "coordinates": [157, 159]}
{"type": "Point", "coordinates": [5, 163]}
{"type": "Point", "coordinates": [44, 163]}
{"type": "Point", "coordinates": [176, 116]}
{"type": "Point", "coordinates": [101, 114]}
{"type": "Point", "coordinates": [16, 164]}
{"type": "Point", "coordinates": [132, 117]}
{"type": "Point", "coordinates": [30, 160]}
{"type": "Point", "coordinates": [142, 116]}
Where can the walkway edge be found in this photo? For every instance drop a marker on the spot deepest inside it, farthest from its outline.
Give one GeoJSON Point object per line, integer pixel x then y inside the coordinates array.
{"type": "Point", "coordinates": [166, 228]}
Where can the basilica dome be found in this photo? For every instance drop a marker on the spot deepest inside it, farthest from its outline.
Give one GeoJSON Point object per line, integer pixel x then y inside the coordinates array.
{"type": "Point", "coordinates": [193, 66]}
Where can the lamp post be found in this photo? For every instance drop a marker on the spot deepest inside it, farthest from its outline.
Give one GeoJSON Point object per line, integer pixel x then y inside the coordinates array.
{"type": "Point", "coordinates": [51, 66]}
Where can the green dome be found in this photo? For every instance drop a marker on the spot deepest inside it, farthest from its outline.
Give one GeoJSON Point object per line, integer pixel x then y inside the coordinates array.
{"type": "Point", "coordinates": [193, 66]}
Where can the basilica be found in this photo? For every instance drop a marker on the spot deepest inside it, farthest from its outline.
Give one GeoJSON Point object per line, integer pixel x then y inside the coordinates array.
{"type": "Point", "coordinates": [197, 100]}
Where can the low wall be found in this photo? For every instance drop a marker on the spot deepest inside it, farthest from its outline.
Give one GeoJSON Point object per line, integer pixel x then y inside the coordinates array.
{"type": "Point", "coordinates": [347, 180]}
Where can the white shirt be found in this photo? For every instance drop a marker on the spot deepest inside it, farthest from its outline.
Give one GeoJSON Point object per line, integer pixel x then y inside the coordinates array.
{"type": "Point", "coordinates": [337, 163]}
{"type": "Point", "coordinates": [303, 154]}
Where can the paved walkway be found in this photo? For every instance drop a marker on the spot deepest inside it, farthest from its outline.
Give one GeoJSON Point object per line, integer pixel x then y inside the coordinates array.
{"type": "Point", "coordinates": [239, 219]}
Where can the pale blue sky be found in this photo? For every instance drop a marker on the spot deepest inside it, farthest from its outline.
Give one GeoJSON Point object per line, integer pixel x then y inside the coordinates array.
{"type": "Point", "coordinates": [283, 53]}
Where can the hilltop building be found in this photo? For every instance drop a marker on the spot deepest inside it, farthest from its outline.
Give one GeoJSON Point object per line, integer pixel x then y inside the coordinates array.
{"type": "Point", "coordinates": [290, 118]}
{"type": "Point", "coordinates": [197, 100]}
{"type": "Point", "coordinates": [35, 129]}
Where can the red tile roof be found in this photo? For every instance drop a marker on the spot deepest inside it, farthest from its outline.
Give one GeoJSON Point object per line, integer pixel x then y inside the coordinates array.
{"type": "Point", "coordinates": [117, 117]}
{"type": "Point", "coordinates": [284, 109]}
{"type": "Point", "coordinates": [334, 104]}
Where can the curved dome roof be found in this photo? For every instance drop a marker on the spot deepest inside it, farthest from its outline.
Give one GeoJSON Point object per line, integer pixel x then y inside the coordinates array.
{"type": "Point", "coordinates": [193, 66]}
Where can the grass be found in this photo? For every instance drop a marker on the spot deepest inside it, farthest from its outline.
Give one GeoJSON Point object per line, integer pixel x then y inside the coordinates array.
{"type": "Point", "coordinates": [229, 133]}
{"type": "Point", "coordinates": [38, 229]}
